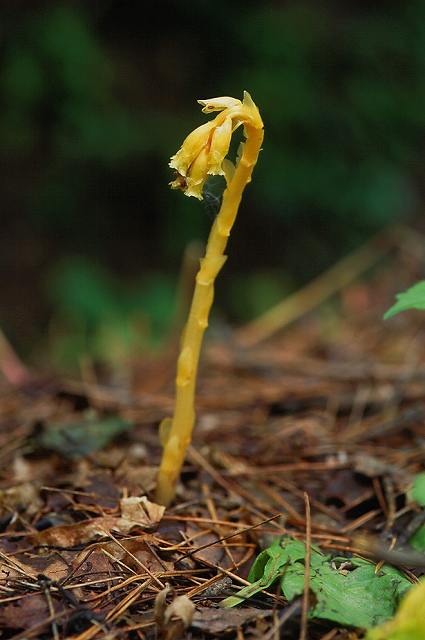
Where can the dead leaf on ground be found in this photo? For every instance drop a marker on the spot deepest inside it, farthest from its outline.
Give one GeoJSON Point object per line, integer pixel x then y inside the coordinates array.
{"type": "Point", "coordinates": [140, 511]}
{"type": "Point", "coordinates": [214, 553]}
{"type": "Point", "coordinates": [100, 491]}
{"type": "Point", "coordinates": [92, 563]}
{"type": "Point", "coordinates": [11, 568]}
{"type": "Point", "coordinates": [135, 513]}
{"type": "Point", "coordinates": [137, 549]}
{"type": "Point", "coordinates": [174, 618]}
{"type": "Point", "coordinates": [28, 566]}
{"type": "Point", "coordinates": [24, 613]}
{"type": "Point", "coordinates": [137, 476]}
{"type": "Point", "coordinates": [71, 535]}
{"type": "Point", "coordinates": [215, 621]}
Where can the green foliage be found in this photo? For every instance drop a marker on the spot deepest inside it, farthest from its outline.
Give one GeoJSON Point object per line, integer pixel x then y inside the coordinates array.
{"type": "Point", "coordinates": [57, 65]}
{"type": "Point", "coordinates": [267, 567]}
{"type": "Point", "coordinates": [413, 298]}
{"type": "Point", "coordinates": [409, 622]}
{"type": "Point", "coordinates": [341, 101]}
{"type": "Point", "coordinates": [417, 493]}
{"type": "Point", "coordinates": [418, 489]}
{"type": "Point", "coordinates": [95, 100]}
{"type": "Point", "coordinates": [348, 591]}
{"type": "Point", "coordinates": [76, 440]}
{"type": "Point", "coordinates": [99, 317]}
{"type": "Point", "coordinates": [341, 98]}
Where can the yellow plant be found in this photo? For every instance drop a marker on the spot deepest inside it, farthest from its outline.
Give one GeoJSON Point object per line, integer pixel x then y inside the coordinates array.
{"type": "Point", "coordinates": [203, 153]}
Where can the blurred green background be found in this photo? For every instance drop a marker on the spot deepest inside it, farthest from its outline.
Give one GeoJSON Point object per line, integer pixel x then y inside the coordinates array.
{"type": "Point", "coordinates": [95, 97]}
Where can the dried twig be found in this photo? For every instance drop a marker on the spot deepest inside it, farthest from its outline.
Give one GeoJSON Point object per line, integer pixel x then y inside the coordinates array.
{"type": "Point", "coordinates": [306, 596]}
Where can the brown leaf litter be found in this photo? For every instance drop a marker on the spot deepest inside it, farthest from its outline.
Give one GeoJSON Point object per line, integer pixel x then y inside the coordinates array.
{"type": "Point", "coordinates": [334, 408]}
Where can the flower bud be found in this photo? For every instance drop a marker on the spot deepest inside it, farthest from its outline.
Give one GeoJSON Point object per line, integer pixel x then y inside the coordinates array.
{"type": "Point", "coordinates": [204, 150]}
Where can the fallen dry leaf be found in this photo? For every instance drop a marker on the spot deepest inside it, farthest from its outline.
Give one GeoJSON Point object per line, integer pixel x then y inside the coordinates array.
{"type": "Point", "coordinates": [11, 568]}
{"type": "Point", "coordinates": [174, 618]}
{"type": "Point", "coordinates": [213, 553]}
{"type": "Point", "coordinates": [141, 511]}
{"type": "Point", "coordinates": [135, 512]}
{"type": "Point", "coordinates": [92, 562]}
{"type": "Point", "coordinates": [24, 613]}
{"type": "Point", "coordinates": [217, 621]}
{"type": "Point", "coordinates": [181, 609]}
{"type": "Point", "coordinates": [134, 549]}
{"type": "Point", "coordinates": [28, 566]}
{"type": "Point", "coordinates": [101, 492]}
{"type": "Point", "coordinates": [71, 535]}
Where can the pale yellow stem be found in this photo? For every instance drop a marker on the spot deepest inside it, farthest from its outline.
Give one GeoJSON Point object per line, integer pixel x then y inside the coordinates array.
{"type": "Point", "coordinates": [180, 432]}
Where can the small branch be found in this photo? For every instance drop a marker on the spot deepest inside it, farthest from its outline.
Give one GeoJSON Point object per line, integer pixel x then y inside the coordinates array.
{"type": "Point", "coordinates": [306, 596]}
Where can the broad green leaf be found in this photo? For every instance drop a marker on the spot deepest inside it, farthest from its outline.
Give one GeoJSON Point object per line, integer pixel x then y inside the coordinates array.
{"type": "Point", "coordinates": [409, 622]}
{"type": "Point", "coordinates": [357, 597]}
{"type": "Point", "coordinates": [361, 598]}
{"type": "Point", "coordinates": [418, 489]}
{"type": "Point", "coordinates": [286, 549]}
{"type": "Point", "coordinates": [417, 493]}
{"type": "Point", "coordinates": [267, 567]}
{"type": "Point", "coordinates": [75, 440]}
{"type": "Point", "coordinates": [348, 591]}
{"type": "Point", "coordinates": [413, 298]}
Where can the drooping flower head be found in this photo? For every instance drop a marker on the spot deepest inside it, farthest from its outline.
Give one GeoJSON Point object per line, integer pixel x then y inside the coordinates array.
{"type": "Point", "coordinates": [204, 151]}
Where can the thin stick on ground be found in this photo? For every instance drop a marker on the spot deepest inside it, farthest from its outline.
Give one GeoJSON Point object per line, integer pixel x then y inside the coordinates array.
{"type": "Point", "coordinates": [306, 596]}
{"type": "Point", "coordinates": [231, 535]}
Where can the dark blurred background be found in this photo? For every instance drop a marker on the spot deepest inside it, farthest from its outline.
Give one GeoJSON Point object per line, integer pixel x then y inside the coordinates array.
{"type": "Point", "coordinates": [95, 97]}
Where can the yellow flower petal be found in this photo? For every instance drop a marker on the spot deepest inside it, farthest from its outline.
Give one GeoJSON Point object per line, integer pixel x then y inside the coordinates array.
{"type": "Point", "coordinates": [197, 175]}
{"type": "Point", "coordinates": [220, 142]}
{"type": "Point", "coordinates": [219, 104]}
{"type": "Point", "coordinates": [191, 147]}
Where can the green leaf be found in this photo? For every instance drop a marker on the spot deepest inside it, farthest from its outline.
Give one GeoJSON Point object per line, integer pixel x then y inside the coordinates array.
{"type": "Point", "coordinates": [413, 298]}
{"type": "Point", "coordinates": [361, 598]}
{"type": "Point", "coordinates": [348, 591]}
{"type": "Point", "coordinates": [409, 622]}
{"type": "Point", "coordinates": [75, 440]}
{"type": "Point", "coordinates": [418, 489]}
{"type": "Point", "coordinates": [357, 597]}
{"type": "Point", "coordinates": [417, 493]}
{"type": "Point", "coordinates": [267, 567]}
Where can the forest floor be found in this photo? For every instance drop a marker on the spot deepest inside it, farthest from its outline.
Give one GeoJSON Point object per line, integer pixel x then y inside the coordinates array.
{"type": "Point", "coordinates": [314, 434]}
